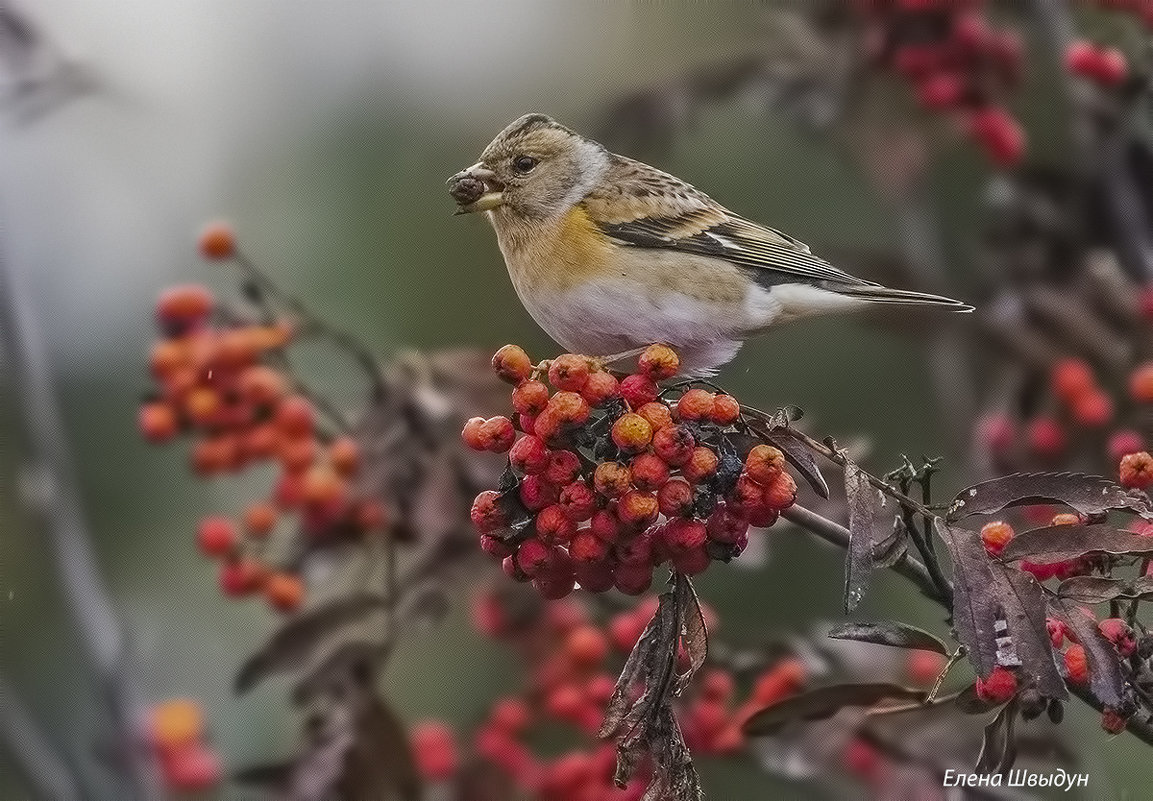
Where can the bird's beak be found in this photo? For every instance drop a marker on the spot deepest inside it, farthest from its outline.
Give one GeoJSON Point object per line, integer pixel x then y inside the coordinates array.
{"type": "Point", "coordinates": [475, 189]}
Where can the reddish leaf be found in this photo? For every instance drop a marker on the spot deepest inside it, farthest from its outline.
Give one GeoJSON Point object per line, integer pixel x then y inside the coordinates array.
{"type": "Point", "coordinates": [1096, 590]}
{"type": "Point", "coordinates": [1062, 543]}
{"type": "Point", "coordinates": [1088, 494]}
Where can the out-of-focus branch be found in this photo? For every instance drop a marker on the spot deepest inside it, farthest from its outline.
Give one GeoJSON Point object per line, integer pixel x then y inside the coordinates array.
{"type": "Point", "coordinates": [57, 500]}
{"type": "Point", "coordinates": [48, 775]}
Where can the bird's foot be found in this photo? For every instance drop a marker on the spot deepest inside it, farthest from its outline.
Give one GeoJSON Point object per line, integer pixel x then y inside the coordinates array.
{"type": "Point", "coordinates": [603, 362]}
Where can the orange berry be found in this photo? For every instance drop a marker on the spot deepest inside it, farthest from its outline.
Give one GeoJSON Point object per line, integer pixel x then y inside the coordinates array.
{"type": "Point", "coordinates": [184, 305]}
{"type": "Point", "coordinates": [632, 433]}
{"type": "Point", "coordinates": [569, 408]}
{"type": "Point", "coordinates": [202, 404]}
{"type": "Point", "coordinates": [214, 455]}
{"type": "Point", "coordinates": [701, 465]}
{"type": "Point", "coordinates": [612, 479]}
{"type": "Point", "coordinates": [781, 493]}
{"type": "Point", "coordinates": [236, 348]}
{"type": "Point", "coordinates": [289, 490]}
{"type": "Point", "coordinates": [260, 518]}
{"type": "Point", "coordinates": [569, 372]}
{"type": "Point", "coordinates": [1071, 378]}
{"type": "Point", "coordinates": [659, 362]}
{"type": "Point", "coordinates": [260, 441]}
{"type": "Point", "coordinates": [217, 241]}
{"type": "Point", "coordinates": [696, 404]}
{"type": "Point", "coordinates": [1077, 664]}
{"type": "Point", "coordinates": [530, 397]}
{"type": "Point", "coordinates": [298, 453]}
{"type": "Point", "coordinates": [601, 386]}
{"type": "Point", "coordinates": [649, 471]}
{"type": "Point", "coordinates": [499, 433]}
{"type": "Point", "coordinates": [675, 498]}
{"type": "Point", "coordinates": [1093, 409]}
{"type": "Point", "coordinates": [167, 356]}
{"type": "Point", "coordinates": [344, 454]}
{"type": "Point", "coordinates": [764, 463]}
{"type": "Point", "coordinates": [637, 508]}
{"type": "Point", "coordinates": [674, 444]}
{"type": "Point", "coordinates": [657, 414]}
{"type": "Point", "coordinates": [176, 723]}
{"type": "Point", "coordinates": [1136, 470]}
{"type": "Point", "coordinates": [999, 687]}
{"type": "Point", "coordinates": [284, 591]}
{"type": "Point", "coordinates": [322, 487]}
{"type": "Point", "coordinates": [216, 536]}
{"type": "Point", "coordinates": [780, 681]}
{"type": "Point", "coordinates": [995, 536]}
{"type": "Point", "coordinates": [726, 410]}
{"type": "Point", "coordinates": [157, 422]}
{"type": "Point", "coordinates": [243, 576]}
{"type": "Point", "coordinates": [512, 364]}
{"type": "Point", "coordinates": [473, 434]}
{"type": "Point", "coordinates": [271, 337]}
{"type": "Point", "coordinates": [295, 416]}
{"type": "Point", "coordinates": [586, 646]}
{"type": "Point", "coordinates": [1141, 383]}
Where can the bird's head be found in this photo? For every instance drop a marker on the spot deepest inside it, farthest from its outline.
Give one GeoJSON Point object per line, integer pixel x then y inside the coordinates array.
{"type": "Point", "coordinates": [535, 168]}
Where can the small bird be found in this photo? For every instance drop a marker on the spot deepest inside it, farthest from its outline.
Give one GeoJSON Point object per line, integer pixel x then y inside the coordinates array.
{"type": "Point", "coordinates": [609, 255]}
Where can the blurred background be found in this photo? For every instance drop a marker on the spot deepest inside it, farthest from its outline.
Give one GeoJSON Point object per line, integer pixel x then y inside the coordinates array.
{"type": "Point", "coordinates": [324, 133]}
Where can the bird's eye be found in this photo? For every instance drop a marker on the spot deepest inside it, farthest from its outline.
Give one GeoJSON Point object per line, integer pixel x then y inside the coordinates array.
{"type": "Point", "coordinates": [523, 164]}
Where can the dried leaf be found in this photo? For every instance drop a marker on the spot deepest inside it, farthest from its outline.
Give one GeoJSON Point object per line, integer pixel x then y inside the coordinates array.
{"type": "Point", "coordinates": [824, 702]}
{"type": "Point", "coordinates": [294, 643]}
{"type": "Point", "coordinates": [1024, 609]}
{"type": "Point", "coordinates": [694, 633]}
{"type": "Point", "coordinates": [864, 503]}
{"type": "Point", "coordinates": [900, 635]}
{"type": "Point", "coordinates": [1089, 495]}
{"type": "Point", "coordinates": [971, 704]}
{"type": "Point", "coordinates": [1105, 679]}
{"type": "Point", "coordinates": [802, 461]}
{"type": "Point", "coordinates": [1096, 589]}
{"type": "Point", "coordinates": [1062, 543]}
{"type": "Point", "coordinates": [998, 750]}
{"type": "Point", "coordinates": [892, 548]}
{"type": "Point", "coordinates": [379, 764]}
{"type": "Point", "coordinates": [974, 607]}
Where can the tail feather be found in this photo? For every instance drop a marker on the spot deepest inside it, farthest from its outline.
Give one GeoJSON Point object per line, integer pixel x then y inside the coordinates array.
{"type": "Point", "coordinates": [883, 294]}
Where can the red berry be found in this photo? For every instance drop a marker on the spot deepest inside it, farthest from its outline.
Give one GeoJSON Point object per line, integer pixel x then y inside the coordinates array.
{"type": "Point", "coordinates": [260, 518]}
{"type": "Point", "coordinates": [649, 472]}
{"type": "Point", "coordinates": [191, 769]}
{"type": "Point", "coordinates": [1112, 67]}
{"type": "Point", "coordinates": [780, 681]}
{"type": "Point", "coordinates": [434, 750]}
{"type": "Point", "coordinates": [569, 372]}
{"type": "Point", "coordinates": [726, 410]}
{"type": "Point", "coordinates": [1077, 664]}
{"type": "Point", "coordinates": [569, 407]}
{"type": "Point", "coordinates": [486, 513]}
{"type": "Point", "coordinates": [600, 386]}
{"type": "Point", "coordinates": [681, 535]}
{"type": "Point", "coordinates": [674, 445]}
{"type": "Point", "coordinates": [530, 397]}
{"type": "Point", "coordinates": [605, 526]}
{"type": "Point", "coordinates": [1093, 409]}
{"type": "Point", "coordinates": [553, 526]}
{"type": "Point", "coordinates": [1112, 721]}
{"type": "Point", "coordinates": [216, 536]}
{"type": "Point", "coordinates": [586, 647]}
{"type": "Point", "coordinates": [726, 526]}
{"type": "Point", "coordinates": [529, 455]}
{"type": "Point", "coordinates": [157, 422]}
{"type": "Point", "coordinates": [1124, 442]}
{"type": "Point", "coordinates": [923, 667]}
{"type": "Point", "coordinates": [1136, 470]}
{"type": "Point", "coordinates": [657, 414]}
{"type": "Point", "coordinates": [999, 133]}
{"type": "Point", "coordinates": [284, 591]}
{"type": "Point", "coordinates": [764, 463]}
{"type": "Point", "coordinates": [781, 493]}
{"type": "Point", "coordinates": [532, 556]}
{"type": "Point", "coordinates": [295, 416]}
{"type": "Point", "coordinates": [1046, 437]}
{"type": "Point", "coordinates": [638, 389]}
{"type": "Point", "coordinates": [511, 715]}
{"type": "Point", "coordinates": [512, 364]}
{"type": "Point", "coordinates": [941, 90]}
{"type": "Point", "coordinates": [217, 241]}
{"type": "Point", "coordinates": [594, 576]}
{"type": "Point", "coordinates": [1071, 378]}
{"type": "Point", "coordinates": [675, 498]}
{"type": "Point", "coordinates": [587, 547]}
{"type": "Point", "coordinates": [632, 433]}
{"type": "Point", "coordinates": [558, 579]}
{"type": "Point", "coordinates": [633, 579]}
{"type": "Point", "coordinates": [183, 306]}
{"type": "Point", "coordinates": [1118, 632]}
{"type": "Point", "coordinates": [536, 493]}
{"type": "Point", "coordinates": [499, 433]}
{"type": "Point", "coordinates": [577, 501]}
{"type": "Point", "coordinates": [1141, 382]}
{"type": "Point", "coordinates": [999, 687]}
{"type": "Point", "coordinates": [696, 404]}
{"type": "Point", "coordinates": [996, 536]}
{"type": "Point", "coordinates": [564, 467]}
{"type": "Point", "coordinates": [495, 547]}
{"type": "Point", "coordinates": [701, 465]}
{"type": "Point", "coordinates": [659, 362]}
{"type": "Point", "coordinates": [637, 509]}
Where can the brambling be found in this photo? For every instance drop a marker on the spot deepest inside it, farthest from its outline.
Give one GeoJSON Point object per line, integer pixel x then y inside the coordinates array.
{"type": "Point", "coordinates": [609, 254]}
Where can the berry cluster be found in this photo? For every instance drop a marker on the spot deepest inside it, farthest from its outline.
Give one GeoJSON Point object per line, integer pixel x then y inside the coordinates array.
{"type": "Point", "coordinates": [611, 478]}
{"type": "Point", "coordinates": [956, 62]}
{"type": "Point", "coordinates": [176, 732]}
{"type": "Point", "coordinates": [222, 383]}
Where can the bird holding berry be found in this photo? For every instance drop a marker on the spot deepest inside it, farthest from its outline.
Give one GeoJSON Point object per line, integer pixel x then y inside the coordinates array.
{"type": "Point", "coordinates": [609, 254]}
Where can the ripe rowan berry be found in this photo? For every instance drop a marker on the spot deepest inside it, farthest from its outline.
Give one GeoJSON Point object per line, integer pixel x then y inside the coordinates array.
{"type": "Point", "coordinates": [586, 646]}
{"type": "Point", "coordinates": [344, 455]}
{"type": "Point", "coordinates": [1141, 383]}
{"type": "Point", "coordinates": [999, 134]}
{"type": "Point", "coordinates": [1118, 632]}
{"type": "Point", "coordinates": [781, 493]}
{"type": "Point", "coordinates": [782, 679]}
{"type": "Point", "coordinates": [657, 414]}
{"type": "Point", "coordinates": [1046, 437]}
{"type": "Point", "coordinates": [681, 535]}
{"type": "Point", "coordinates": [675, 499]}
{"type": "Point", "coordinates": [1112, 721]}
{"type": "Point", "coordinates": [512, 364]}
{"type": "Point", "coordinates": [486, 513]}
{"type": "Point", "coordinates": [586, 546]}
{"type": "Point", "coordinates": [529, 455]}
{"type": "Point", "coordinates": [1077, 664]}
{"type": "Point", "coordinates": [633, 579]}
{"type": "Point", "coordinates": [284, 591]}
{"type": "Point", "coordinates": [695, 404]}
{"type": "Point", "coordinates": [659, 362]}
{"type": "Point", "coordinates": [923, 667]}
{"type": "Point", "coordinates": [594, 576]}
{"type": "Point", "coordinates": [499, 433]}
{"type": "Point", "coordinates": [638, 389]}
{"type": "Point", "coordinates": [725, 525]}
{"type": "Point", "coordinates": [1136, 470]}
{"type": "Point", "coordinates": [564, 467]}
{"type": "Point", "coordinates": [600, 387]}
{"type": "Point", "coordinates": [190, 769]}
{"type": "Point", "coordinates": [701, 465]}
{"type": "Point", "coordinates": [999, 687]}
{"type": "Point", "coordinates": [557, 580]}
{"type": "Point", "coordinates": [1124, 442]}
{"type": "Point", "coordinates": [536, 493]}
{"type": "Point", "coordinates": [261, 385]}
{"type": "Point", "coordinates": [605, 525]}
{"type": "Point", "coordinates": [1093, 409]}
{"type": "Point", "coordinates": [260, 518]}
{"type": "Point", "coordinates": [217, 241]}
{"type": "Point", "coordinates": [764, 463]}
{"type": "Point", "coordinates": [241, 576]}
{"type": "Point", "coordinates": [553, 526]}
{"type": "Point", "coordinates": [577, 501]}
{"type": "Point", "coordinates": [569, 372]}
{"type": "Point", "coordinates": [995, 536]}
{"type": "Point", "coordinates": [532, 556]}
{"type": "Point", "coordinates": [649, 472]}
{"type": "Point", "coordinates": [674, 444]}
{"type": "Point", "coordinates": [726, 410]}
{"type": "Point", "coordinates": [181, 307]}
{"type": "Point", "coordinates": [530, 398]}
{"type": "Point", "coordinates": [1071, 378]}
{"type": "Point", "coordinates": [295, 416]}
{"type": "Point", "coordinates": [637, 509]}
{"type": "Point", "coordinates": [157, 422]}
{"type": "Point", "coordinates": [175, 723]}
{"type": "Point", "coordinates": [434, 750]}
{"type": "Point", "coordinates": [632, 433]}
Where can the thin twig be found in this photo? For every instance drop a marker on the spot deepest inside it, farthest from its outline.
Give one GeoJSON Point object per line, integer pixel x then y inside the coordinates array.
{"type": "Point", "coordinates": [51, 464]}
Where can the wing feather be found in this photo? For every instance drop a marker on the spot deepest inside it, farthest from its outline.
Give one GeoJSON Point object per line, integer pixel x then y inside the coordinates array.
{"type": "Point", "coordinates": [641, 206]}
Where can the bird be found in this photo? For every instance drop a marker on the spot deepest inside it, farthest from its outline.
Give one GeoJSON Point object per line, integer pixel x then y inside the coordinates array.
{"type": "Point", "coordinates": [609, 255]}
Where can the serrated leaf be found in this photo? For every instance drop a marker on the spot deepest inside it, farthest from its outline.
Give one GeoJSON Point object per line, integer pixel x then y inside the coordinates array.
{"type": "Point", "coordinates": [1096, 589]}
{"type": "Point", "coordinates": [864, 502]}
{"type": "Point", "coordinates": [1062, 543]}
{"type": "Point", "coordinates": [825, 702]}
{"type": "Point", "coordinates": [974, 607]}
{"type": "Point", "coordinates": [1089, 495]}
{"type": "Point", "coordinates": [295, 642]}
{"type": "Point", "coordinates": [1105, 679]}
{"type": "Point", "coordinates": [898, 635]}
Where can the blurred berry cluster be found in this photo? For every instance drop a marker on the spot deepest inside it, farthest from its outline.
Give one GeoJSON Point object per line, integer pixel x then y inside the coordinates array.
{"type": "Point", "coordinates": [611, 478]}
{"type": "Point", "coordinates": [176, 731]}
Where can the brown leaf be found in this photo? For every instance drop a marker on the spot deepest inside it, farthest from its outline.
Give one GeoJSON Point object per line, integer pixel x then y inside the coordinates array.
{"type": "Point", "coordinates": [802, 461]}
{"type": "Point", "coordinates": [379, 764]}
{"type": "Point", "coordinates": [824, 702]}
{"type": "Point", "coordinates": [1023, 606]}
{"type": "Point", "coordinates": [1062, 543]}
{"type": "Point", "coordinates": [1096, 589]}
{"type": "Point", "coordinates": [890, 550]}
{"type": "Point", "coordinates": [899, 635]}
{"type": "Point", "coordinates": [1088, 494]}
{"type": "Point", "coordinates": [295, 642]}
{"type": "Point", "coordinates": [974, 607]}
{"type": "Point", "coordinates": [1105, 679]}
{"type": "Point", "coordinates": [998, 749]}
{"type": "Point", "coordinates": [694, 633]}
{"type": "Point", "coordinates": [864, 503]}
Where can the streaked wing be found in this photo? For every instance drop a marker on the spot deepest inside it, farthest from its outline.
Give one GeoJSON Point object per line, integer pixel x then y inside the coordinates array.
{"type": "Point", "coordinates": [641, 206]}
